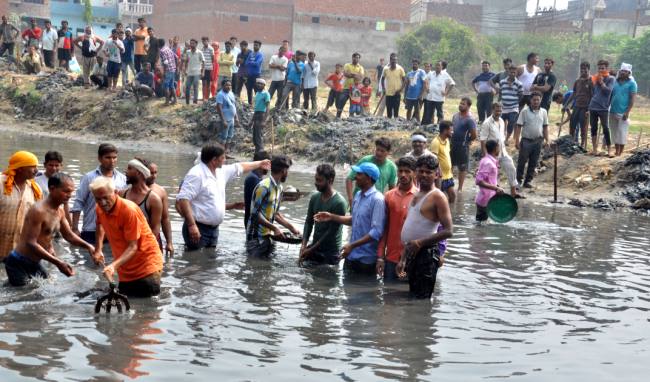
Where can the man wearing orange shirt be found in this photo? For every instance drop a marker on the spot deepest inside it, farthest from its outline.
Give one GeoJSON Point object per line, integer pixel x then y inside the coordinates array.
{"type": "Point", "coordinates": [136, 255]}
{"type": "Point", "coordinates": [140, 36]}
{"type": "Point", "coordinates": [397, 201]}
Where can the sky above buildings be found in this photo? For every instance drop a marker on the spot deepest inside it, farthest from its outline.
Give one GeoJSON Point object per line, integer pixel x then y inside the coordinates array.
{"type": "Point", "coordinates": [559, 4]}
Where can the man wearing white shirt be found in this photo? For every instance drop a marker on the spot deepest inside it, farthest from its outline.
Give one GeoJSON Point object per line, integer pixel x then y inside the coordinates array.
{"type": "Point", "coordinates": [278, 67]}
{"type": "Point", "coordinates": [438, 85]}
{"type": "Point", "coordinates": [202, 197]}
{"type": "Point", "coordinates": [493, 128]}
{"type": "Point", "coordinates": [310, 82]}
{"type": "Point", "coordinates": [50, 38]}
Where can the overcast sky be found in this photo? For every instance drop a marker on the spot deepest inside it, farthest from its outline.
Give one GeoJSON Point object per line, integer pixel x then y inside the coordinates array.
{"type": "Point", "coordinates": [560, 4]}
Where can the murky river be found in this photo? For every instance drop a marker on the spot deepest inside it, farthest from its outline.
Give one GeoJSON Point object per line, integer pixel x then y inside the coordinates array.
{"type": "Point", "coordinates": [560, 294]}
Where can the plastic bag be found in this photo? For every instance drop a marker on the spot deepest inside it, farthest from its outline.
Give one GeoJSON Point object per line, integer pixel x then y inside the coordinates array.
{"type": "Point", "coordinates": [74, 65]}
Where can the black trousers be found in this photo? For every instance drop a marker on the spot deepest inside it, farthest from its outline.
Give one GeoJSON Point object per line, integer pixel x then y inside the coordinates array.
{"type": "Point", "coordinates": [101, 81]}
{"type": "Point", "coordinates": [276, 87]}
{"type": "Point", "coordinates": [603, 115]}
{"type": "Point", "coordinates": [258, 128]}
{"type": "Point", "coordinates": [422, 270]}
{"type": "Point", "coordinates": [332, 97]}
{"type": "Point", "coordinates": [307, 95]}
{"type": "Point", "coordinates": [48, 58]}
{"type": "Point", "coordinates": [484, 105]}
{"type": "Point", "coordinates": [392, 106]}
{"type": "Point", "coordinates": [529, 152]}
{"type": "Point", "coordinates": [250, 87]}
{"type": "Point", "coordinates": [138, 61]}
{"type": "Point", "coordinates": [431, 107]}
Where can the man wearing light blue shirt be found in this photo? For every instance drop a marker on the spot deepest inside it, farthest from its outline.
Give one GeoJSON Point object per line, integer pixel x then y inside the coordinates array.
{"type": "Point", "coordinates": [367, 221]}
{"type": "Point", "coordinates": [295, 70]}
{"type": "Point", "coordinates": [310, 82]}
{"type": "Point", "coordinates": [84, 201]}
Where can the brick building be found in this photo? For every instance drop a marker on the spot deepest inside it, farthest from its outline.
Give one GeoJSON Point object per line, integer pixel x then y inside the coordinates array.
{"type": "Point", "coordinates": [331, 26]}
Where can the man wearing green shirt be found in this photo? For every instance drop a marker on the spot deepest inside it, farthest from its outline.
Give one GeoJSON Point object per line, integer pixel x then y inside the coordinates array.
{"type": "Point", "coordinates": [387, 169]}
{"type": "Point", "coordinates": [326, 246]}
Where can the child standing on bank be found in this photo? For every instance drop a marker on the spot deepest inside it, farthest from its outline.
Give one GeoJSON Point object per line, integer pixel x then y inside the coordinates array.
{"type": "Point", "coordinates": [335, 82]}
{"type": "Point", "coordinates": [487, 177]}
{"type": "Point", "coordinates": [355, 97]}
{"type": "Point", "coordinates": [366, 93]}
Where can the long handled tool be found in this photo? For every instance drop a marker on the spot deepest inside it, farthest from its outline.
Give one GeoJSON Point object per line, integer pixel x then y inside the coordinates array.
{"type": "Point", "coordinates": [113, 299]}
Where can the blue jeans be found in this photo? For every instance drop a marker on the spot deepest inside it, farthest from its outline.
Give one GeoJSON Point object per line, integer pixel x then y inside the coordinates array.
{"type": "Point", "coordinates": [227, 132]}
{"type": "Point", "coordinates": [209, 236]}
{"type": "Point", "coordinates": [20, 269]}
{"type": "Point", "coordinates": [390, 271]}
{"type": "Point", "coordinates": [511, 120]}
{"type": "Point", "coordinates": [355, 109]}
{"type": "Point", "coordinates": [169, 82]}
{"type": "Point", "coordinates": [192, 82]}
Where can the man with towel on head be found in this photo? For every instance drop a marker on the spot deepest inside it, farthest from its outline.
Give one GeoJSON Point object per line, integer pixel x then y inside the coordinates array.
{"type": "Point", "coordinates": [137, 173]}
{"type": "Point", "coordinates": [623, 96]}
{"type": "Point", "coordinates": [18, 193]}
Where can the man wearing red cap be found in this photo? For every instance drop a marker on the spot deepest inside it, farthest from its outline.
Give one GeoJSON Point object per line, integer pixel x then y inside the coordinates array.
{"type": "Point", "coordinates": [18, 193]}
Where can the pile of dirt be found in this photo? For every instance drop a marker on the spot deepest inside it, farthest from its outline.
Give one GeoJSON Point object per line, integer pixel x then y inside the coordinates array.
{"type": "Point", "coordinates": [634, 175]}
{"type": "Point", "coordinates": [567, 147]}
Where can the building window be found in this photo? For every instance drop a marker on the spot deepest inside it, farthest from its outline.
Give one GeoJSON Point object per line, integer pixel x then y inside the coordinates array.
{"type": "Point", "coordinates": [315, 19]}
{"type": "Point", "coordinates": [34, 1]}
{"type": "Point", "coordinates": [243, 18]}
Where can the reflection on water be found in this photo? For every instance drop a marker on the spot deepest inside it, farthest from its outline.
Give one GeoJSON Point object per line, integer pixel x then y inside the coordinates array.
{"type": "Point", "coordinates": [558, 293]}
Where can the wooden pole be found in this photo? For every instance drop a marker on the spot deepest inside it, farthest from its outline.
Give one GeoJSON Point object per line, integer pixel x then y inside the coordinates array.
{"type": "Point", "coordinates": [555, 173]}
{"type": "Point", "coordinates": [272, 137]}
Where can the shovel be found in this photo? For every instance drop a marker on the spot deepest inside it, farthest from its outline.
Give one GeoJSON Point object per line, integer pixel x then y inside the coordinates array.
{"type": "Point", "coordinates": [112, 299]}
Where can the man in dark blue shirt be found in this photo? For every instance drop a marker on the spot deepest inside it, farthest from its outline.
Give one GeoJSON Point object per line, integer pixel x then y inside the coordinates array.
{"type": "Point", "coordinates": [251, 181]}
{"type": "Point", "coordinates": [127, 55]}
{"type": "Point", "coordinates": [254, 69]}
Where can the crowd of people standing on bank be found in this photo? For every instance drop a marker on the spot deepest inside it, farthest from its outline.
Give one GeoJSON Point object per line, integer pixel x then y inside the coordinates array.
{"type": "Point", "coordinates": [398, 211]}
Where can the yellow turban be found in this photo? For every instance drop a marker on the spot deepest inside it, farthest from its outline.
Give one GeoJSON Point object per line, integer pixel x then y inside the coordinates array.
{"type": "Point", "coordinates": [18, 160]}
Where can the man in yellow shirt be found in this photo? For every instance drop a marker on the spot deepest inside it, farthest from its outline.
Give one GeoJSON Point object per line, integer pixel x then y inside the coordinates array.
{"type": "Point", "coordinates": [393, 82]}
{"type": "Point", "coordinates": [441, 148]}
{"type": "Point", "coordinates": [226, 60]}
{"type": "Point", "coordinates": [350, 72]}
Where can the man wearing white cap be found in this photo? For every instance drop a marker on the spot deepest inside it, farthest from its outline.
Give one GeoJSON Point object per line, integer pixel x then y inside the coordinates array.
{"type": "Point", "coordinates": [623, 96]}
{"type": "Point", "coordinates": [262, 101]}
{"type": "Point", "coordinates": [419, 146]}
{"type": "Point", "coordinates": [137, 173]}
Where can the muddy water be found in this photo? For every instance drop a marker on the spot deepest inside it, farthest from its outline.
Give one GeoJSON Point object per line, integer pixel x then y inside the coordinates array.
{"type": "Point", "coordinates": [559, 294]}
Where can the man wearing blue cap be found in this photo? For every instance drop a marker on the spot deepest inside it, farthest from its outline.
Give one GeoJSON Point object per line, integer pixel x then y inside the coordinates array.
{"type": "Point", "coordinates": [367, 221]}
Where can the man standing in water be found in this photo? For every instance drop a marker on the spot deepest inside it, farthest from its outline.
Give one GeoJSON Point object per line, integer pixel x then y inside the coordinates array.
{"type": "Point", "coordinates": [265, 210]}
{"type": "Point", "coordinates": [328, 237]}
{"type": "Point", "coordinates": [387, 169]}
{"type": "Point", "coordinates": [42, 222]}
{"type": "Point", "coordinates": [397, 202]}
{"type": "Point", "coordinates": [440, 147]}
{"type": "Point", "coordinates": [84, 201]}
{"type": "Point", "coordinates": [420, 235]}
{"type": "Point", "coordinates": [139, 193]}
{"type": "Point", "coordinates": [136, 256]}
{"type": "Point", "coordinates": [162, 194]}
{"type": "Point", "coordinates": [367, 221]}
{"type": "Point", "coordinates": [202, 198]}
{"type": "Point", "coordinates": [251, 182]}
{"type": "Point", "coordinates": [18, 193]}
{"type": "Point", "coordinates": [464, 132]}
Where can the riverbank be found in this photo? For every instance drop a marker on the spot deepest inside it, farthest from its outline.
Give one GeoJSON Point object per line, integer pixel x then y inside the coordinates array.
{"type": "Point", "coordinates": [55, 104]}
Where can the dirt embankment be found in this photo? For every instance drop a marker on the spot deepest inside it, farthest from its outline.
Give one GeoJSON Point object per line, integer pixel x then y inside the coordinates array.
{"type": "Point", "coordinates": [56, 103]}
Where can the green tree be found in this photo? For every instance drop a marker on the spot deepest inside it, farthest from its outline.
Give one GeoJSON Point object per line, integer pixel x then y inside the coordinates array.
{"type": "Point", "coordinates": [88, 12]}
{"type": "Point", "coordinates": [445, 39]}
{"type": "Point", "coordinates": [637, 52]}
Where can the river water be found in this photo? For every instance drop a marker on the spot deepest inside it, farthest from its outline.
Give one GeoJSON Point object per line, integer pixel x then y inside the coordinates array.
{"type": "Point", "coordinates": [558, 294]}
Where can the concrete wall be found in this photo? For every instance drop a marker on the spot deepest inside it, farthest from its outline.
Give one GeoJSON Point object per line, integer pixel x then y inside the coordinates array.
{"type": "Point", "coordinates": [618, 26]}
{"type": "Point", "coordinates": [335, 44]}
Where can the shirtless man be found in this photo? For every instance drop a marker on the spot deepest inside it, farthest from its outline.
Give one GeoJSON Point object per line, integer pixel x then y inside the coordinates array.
{"type": "Point", "coordinates": [428, 209]}
{"type": "Point", "coordinates": [43, 220]}
{"type": "Point", "coordinates": [139, 193]}
{"type": "Point", "coordinates": [162, 194]}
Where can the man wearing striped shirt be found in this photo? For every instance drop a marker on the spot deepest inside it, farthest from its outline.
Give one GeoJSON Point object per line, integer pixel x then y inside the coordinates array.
{"type": "Point", "coordinates": [510, 91]}
{"type": "Point", "coordinates": [208, 64]}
